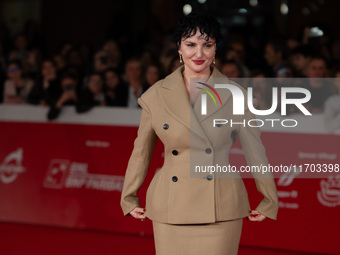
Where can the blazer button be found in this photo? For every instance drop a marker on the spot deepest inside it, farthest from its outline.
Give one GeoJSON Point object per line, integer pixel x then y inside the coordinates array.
{"type": "Point", "coordinates": [166, 126]}
{"type": "Point", "coordinates": [209, 177]}
{"type": "Point", "coordinates": [208, 150]}
{"type": "Point", "coordinates": [174, 178]}
{"type": "Point", "coordinates": [174, 152]}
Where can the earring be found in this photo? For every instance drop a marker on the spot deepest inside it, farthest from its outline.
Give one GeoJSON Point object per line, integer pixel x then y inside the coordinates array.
{"type": "Point", "coordinates": [214, 62]}
{"type": "Point", "coordinates": [180, 58]}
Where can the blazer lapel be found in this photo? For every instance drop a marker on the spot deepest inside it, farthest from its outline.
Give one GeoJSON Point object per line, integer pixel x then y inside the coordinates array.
{"type": "Point", "coordinates": [177, 102]}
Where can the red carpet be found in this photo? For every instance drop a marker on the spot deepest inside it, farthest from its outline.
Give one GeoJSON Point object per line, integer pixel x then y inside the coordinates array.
{"type": "Point", "coordinates": [21, 239]}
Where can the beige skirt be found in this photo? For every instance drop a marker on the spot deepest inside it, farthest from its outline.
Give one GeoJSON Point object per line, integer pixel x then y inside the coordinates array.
{"type": "Point", "coordinates": [220, 238]}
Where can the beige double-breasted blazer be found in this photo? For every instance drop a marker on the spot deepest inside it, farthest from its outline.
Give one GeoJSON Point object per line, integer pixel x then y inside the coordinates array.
{"type": "Point", "coordinates": [174, 194]}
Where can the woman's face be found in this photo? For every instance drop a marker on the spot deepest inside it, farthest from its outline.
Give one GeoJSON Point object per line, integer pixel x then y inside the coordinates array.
{"type": "Point", "coordinates": [111, 79]}
{"type": "Point", "coordinates": [197, 53]}
{"type": "Point", "coordinates": [95, 84]}
{"type": "Point", "coordinates": [13, 72]}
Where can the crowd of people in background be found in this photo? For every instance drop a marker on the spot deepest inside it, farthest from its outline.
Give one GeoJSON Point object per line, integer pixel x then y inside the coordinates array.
{"type": "Point", "coordinates": [79, 76]}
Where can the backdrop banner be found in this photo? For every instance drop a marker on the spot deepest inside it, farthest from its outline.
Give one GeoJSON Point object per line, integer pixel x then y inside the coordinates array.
{"type": "Point", "coordinates": [70, 173]}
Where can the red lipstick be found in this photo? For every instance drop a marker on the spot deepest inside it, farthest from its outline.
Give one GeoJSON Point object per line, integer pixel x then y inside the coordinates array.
{"type": "Point", "coordinates": [198, 62]}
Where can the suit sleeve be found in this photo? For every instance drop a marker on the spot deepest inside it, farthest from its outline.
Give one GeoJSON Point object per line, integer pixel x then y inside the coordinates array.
{"type": "Point", "coordinates": [138, 164]}
{"type": "Point", "coordinates": [256, 156]}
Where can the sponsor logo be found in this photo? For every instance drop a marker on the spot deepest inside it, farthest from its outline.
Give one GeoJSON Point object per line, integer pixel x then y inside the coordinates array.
{"type": "Point", "coordinates": [11, 167]}
{"type": "Point", "coordinates": [66, 174]}
{"type": "Point", "coordinates": [286, 179]}
{"type": "Point", "coordinates": [57, 173]}
{"type": "Point", "coordinates": [329, 193]}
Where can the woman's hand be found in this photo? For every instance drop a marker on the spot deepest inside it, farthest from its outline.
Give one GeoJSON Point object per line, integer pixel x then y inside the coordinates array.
{"type": "Point", "coordinates": [255, 216]}
{"type": "Point", "coordinates": [138, 213]}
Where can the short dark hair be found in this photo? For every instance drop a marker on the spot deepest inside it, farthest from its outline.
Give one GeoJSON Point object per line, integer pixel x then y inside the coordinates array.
{"type": "Point", "coordinates": [207, 25]}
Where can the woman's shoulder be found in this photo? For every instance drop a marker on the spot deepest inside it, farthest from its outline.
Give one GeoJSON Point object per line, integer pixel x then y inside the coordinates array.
{"type": "Point", "coordinates": [152, 91]}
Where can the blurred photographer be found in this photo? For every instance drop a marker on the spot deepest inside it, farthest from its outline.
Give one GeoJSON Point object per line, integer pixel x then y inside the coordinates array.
{"type": "Point", "coordinates": [68, 96]}
{"type": "Point", "coordinates": [116, 91]}
{"type": "Point", "coordinates": [102, 61]}
{"type": "Point", "coordinates": [93, 95]}
{"type": "Point", "coordinates": [47, 85]}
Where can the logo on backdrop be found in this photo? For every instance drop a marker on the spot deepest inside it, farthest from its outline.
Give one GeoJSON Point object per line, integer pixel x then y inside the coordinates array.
{"type": "Point", "coordinates": [11, 167]}
{"type": "Point", "coordinates": [329, 193]}
{"type": "Point", "coordinates": [287, 198]}
{"type": "Point", "coordinates": [66, 174]}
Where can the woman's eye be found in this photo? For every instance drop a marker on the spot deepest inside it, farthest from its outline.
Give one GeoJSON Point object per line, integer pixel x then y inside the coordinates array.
{"type": "Point", "coordinates": [208, 46]}
{"type": "Point", "coordinates": [190, 45]}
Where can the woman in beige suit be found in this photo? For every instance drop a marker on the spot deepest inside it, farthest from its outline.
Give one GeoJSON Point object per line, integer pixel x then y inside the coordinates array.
{"type": "Point", "coordinates": [194, 213]}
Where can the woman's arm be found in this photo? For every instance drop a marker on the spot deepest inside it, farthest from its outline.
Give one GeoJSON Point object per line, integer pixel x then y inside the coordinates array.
{"type": "Point", "coordinates": [256, 155]}
{"type": "Point", "coordinates": [137, 168]}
